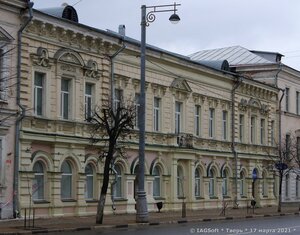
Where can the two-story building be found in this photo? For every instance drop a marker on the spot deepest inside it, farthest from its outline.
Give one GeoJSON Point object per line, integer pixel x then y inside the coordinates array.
{"type": "Point", "coordinates": [267, 67]}
{"type": "Point", "coordinates": [207, 129]}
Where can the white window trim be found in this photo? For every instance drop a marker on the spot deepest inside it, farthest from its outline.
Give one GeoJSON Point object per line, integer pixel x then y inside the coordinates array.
{"type": "Point", "coordinates": [157, 115]}
{"type": "Point", "coordinates": [211, 123]}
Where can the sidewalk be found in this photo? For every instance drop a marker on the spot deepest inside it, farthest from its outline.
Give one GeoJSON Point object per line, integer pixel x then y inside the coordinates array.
{"type": "Point", "coordinates": [43, 226]}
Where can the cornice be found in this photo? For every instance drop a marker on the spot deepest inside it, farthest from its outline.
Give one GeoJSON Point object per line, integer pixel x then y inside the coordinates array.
{"type": "Point", "coordinates": [68, 37]}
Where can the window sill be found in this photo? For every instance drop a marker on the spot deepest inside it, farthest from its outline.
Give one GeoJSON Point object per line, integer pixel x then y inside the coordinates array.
{"type": "Point", "coordinates": [181, 198]}
{"type": "Point", "coordinates": [68, 200]}
{"type": "Point", "coordinates": [213, 197]}
{"type": "Point", "coordinates": [159, 198]}
{"type": "Point", "coordinates": [199, 198]}
{"type": "Point", "coordinates": [226, 196]}
{"type": "Point", "coordinates": [264, 196]}
{"type": "Point", "coordinates": [91, 200]}
{"type": "Point", "coordinates": [40, 201]}
{"type": "Point", "coordinates": [242, 196]}
{"type": "Point", "coordinates": [120, 199]}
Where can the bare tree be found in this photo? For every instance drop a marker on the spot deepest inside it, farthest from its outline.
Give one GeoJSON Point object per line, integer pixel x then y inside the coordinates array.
{"type": "Point", "coordinates": [283, 161]}
{"type": "Point", "coordinates": [110, 123]}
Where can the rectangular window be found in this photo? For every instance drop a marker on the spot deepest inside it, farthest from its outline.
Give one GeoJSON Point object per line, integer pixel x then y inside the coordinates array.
{"type": "Point", "coordinates": [287, 146]}
{"type": "Point", "coordinates": [178, 107]}
{"type": "Point", "coordinates": [297, 102]}
{"type": "Point", "coordinates": [287, 98]}
{"type": "Point", "coordinates": [3, 83]}
{"type": "Point", "coordinates": [262, 131]}
{"type": "Point", "coordinates": [156, 114]}
{"type": "Point", "coordinates": [272, 133]}
{"type": "Point", "coordinates": [224, 124]}
{"type": "Point", "coordinates": [88, 100]}
{"type": "Point", "coordinates": [1, 157]}
{"type": "Point", "coordinates": [241, 128]}
{"type": "Point", "coordinates": [197, 120]}
{"type": "Point", "coordinates": [65, 99]}
{"type": "Point", "coordinates": [253, 130]}
{"type": "Point", "coordinates": [137, 110]}
{"type": "Point", "coordinates": [298, 149]}
{"type": "Point", "coordinates": [118, 98]}
{"type": "Point", "coordinates": [39, 79]}
{"type": "Point", "coordinates": [211, 125]}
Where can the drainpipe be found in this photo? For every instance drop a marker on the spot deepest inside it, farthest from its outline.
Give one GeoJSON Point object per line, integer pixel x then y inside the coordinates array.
{"type": "Point", "coordinates": [233, 143]}
{"type": "Point", "coordinates": [21, 116]}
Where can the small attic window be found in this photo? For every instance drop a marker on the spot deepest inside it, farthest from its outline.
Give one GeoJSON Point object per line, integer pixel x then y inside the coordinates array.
{"type": "Point", "coordinates": [70, 13]}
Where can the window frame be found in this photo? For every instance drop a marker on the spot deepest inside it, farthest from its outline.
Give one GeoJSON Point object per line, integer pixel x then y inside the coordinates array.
{"type": "Point", "coordinates": [211, 183]}
{"type": "Point", "coordinates": [198, 184]}
{"type": "Point", "coordinates": [211, 123]}
{"type": "Point", "coordinates": [89, 182]}
{"type": "Point", "coordinates": [39, 88]}
{"type": "Point", "coordinates": [197, 122]}
{"type": "Point", "coordinates": [178, 117]}
{"type": "Point", "coordinates": [262, 131]}
{"type": "Point", "coordinates": [253, 129]}
{"type": "Point", "coordinates": [67, 176]}
{"type": "Point", "coordinates": [39, 193]}
{"type": "Point", "coordinates": [287, 99]}
{"type": "Point", "coordinates": [65, 96]}
{"type": "Point", "coordinates": [88, 100]}
{"type": "Point", "coordinates": [180, 187]}
{"type": "Point", "coordinates": [156, 173]}
{"type": "Point", "coordinates": [156, 114]}
{"type": "Point", "coordinates": [297, 102]}
{"type": "Point", "coordinates": [118, 189]}
{"type": "Point", "coordinates": [242, 127]}
{"type": "Point", "coordinates": [225, 125]}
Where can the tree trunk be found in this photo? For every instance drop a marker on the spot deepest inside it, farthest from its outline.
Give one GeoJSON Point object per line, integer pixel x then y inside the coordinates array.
{"type": "Point", "coordinates": [101, 202]}
{"type": "Point", "coordinates": [100, 209]}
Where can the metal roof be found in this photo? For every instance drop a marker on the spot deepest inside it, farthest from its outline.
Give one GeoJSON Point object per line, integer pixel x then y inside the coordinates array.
{"type": "Point", "coordinates": [235, 55]}
{"type": "Point", "coordinates": [64, 11]}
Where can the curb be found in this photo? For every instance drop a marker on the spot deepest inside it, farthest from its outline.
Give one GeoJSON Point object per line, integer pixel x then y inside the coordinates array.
{"type": "Point", "coordinates": [134, 225]}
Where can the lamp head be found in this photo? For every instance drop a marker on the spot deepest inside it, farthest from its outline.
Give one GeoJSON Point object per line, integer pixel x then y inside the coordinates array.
{"type": "Point", "coordinates": [174, 18]}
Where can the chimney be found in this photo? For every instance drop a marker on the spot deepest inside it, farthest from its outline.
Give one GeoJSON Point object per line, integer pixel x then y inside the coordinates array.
{"type": "Point", "coordinates": [122, 30]}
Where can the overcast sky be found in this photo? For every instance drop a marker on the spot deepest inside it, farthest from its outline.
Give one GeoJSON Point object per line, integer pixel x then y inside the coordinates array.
{"type": "Point", "coordinates": [266, 25]}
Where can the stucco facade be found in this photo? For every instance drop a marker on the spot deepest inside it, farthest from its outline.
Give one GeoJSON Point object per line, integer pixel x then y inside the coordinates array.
{"type": "Point", "coordinates": [189, 144]}
{"type": "Point", "coordinates": [288, 80]}
{"type": "Point", "coordinates": [10, 22]}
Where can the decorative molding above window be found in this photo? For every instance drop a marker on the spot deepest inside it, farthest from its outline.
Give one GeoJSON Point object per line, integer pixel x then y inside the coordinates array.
{"type": "Point", "coordinates": [180, 89]}
{"type": "Point", "coordinates": [41, 58]}
{"type": "Point", "coordinates": [243, 105]}
{"type": "Point", "coordinates": [158, 90]}
{"type": "Point", "coordinates": [91, 69]}
{"type": "Point", "coordinates": [5, 37]}
{"type": "Point", "coordinates": [70, 57]}
{"type": "Point", "coordinates": [181, 84]}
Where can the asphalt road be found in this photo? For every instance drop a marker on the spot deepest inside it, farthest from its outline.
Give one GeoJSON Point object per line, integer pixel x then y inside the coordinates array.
{"type": "Point", "coordinates": [289, 225]}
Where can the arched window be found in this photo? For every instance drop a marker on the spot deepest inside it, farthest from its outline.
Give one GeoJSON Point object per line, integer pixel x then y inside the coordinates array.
{"type": "Point", "coordinates": [180, 182]}
{"type": "Point", "coordinates": [297, 186]}
{"type": "Point", "coordinates": [118, 185]}
{"type": "Point", "coordinates": [66, 180]}
{"type": "Point", "coordinates": [264, 185]}
{"type": "Point", "coordinates": [211, 185]}
{"type": "Point", "coordinates": [287, 182]}
{"type": "Point", "coordinates": [89, 184]}
{"type": "Point", "coordinates": [242, 183]}
{"type": "Point", "coordinates": [224, 174]}
{"type": "Point", "coordinates": [157, 182]}
{"type": "Point", "coordinates": [197, 183]}
{"type": "Point", "coordinates": [38, 188]}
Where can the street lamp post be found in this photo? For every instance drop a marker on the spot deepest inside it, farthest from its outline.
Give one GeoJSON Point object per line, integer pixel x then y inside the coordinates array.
{"type": "Point", "coordinates": [141, 205]}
